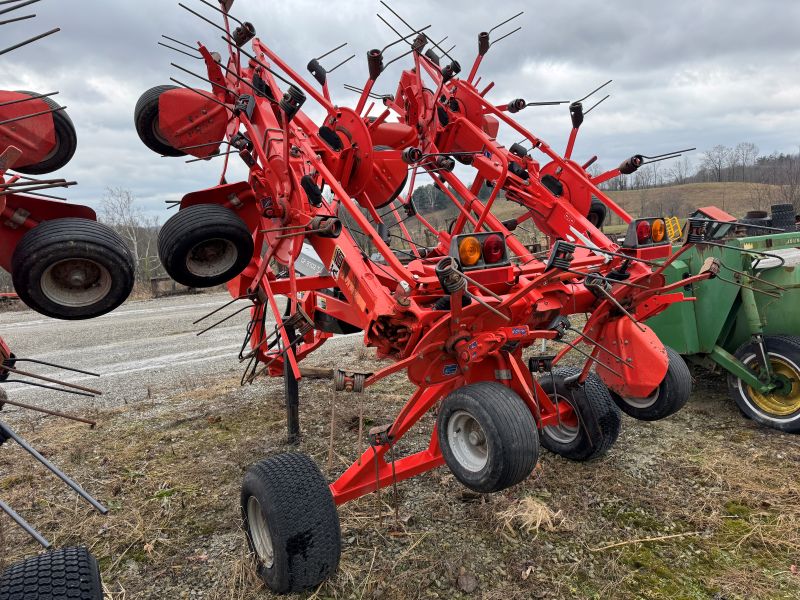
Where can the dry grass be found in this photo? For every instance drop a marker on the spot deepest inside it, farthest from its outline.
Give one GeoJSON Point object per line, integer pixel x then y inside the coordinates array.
{"type": "Point", "coordinates": [169, 469]}
{"type": "Point", "coordinates": [529, 515]}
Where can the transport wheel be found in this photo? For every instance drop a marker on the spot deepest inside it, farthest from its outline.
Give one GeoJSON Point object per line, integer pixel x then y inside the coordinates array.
{"type": "Point", "coordinates": [204, 245]}
{"type": "Point", "coordinates": [145, 116]}
{"type": "Point", "coordinates": [66, 142]}
{"type": "Point", "coordinates": [667, 399]}
{"type": "Point", "coordinates": [68, 573]}
{"type": "Point", "coordinates": [597, 420]}
{"type": "Point", "coordinates": [72, 269]}
{"type": "Point", "coordinates": [488, 436]}
{"type": "Point", "coordinates": [291, 522]}
{"type": "Point", "coordinates": [779, 408]}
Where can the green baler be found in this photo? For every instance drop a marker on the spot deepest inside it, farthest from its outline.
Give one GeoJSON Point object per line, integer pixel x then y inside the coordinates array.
{"type": "Point", "coordinates": [746, 321]}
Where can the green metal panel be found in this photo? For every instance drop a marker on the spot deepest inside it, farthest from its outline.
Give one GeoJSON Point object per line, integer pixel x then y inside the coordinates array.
{"type": "Point", "coordinates": [676, 326]}
{"type": "Point", "coordinates": [717, 317]}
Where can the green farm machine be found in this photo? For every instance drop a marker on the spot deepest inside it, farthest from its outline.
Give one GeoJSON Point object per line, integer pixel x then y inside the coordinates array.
{"type": "Point", "coordinates": [747, 319]}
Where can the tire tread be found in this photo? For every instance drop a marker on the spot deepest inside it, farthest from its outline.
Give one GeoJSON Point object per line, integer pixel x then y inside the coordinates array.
{"type": "Point", "coordinates": [67, 573]}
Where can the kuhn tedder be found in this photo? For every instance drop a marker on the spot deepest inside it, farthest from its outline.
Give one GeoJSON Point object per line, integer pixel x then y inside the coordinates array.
{"type": "Point", "coordinates": [455, 316]}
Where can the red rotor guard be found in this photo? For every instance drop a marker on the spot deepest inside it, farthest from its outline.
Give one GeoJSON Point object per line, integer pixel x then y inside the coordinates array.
{"type": "Point", "coordinates": [640, 349]}
{"type": "Point", "coordinates": [189, 118]}
{"type": "Point", "coordinates": [34, 136]}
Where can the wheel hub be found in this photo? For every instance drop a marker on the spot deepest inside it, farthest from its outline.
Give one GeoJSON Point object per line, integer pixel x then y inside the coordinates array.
{"type": "Point", "coordinates": [564, 432]}
{"type": "Point", "coordinates": [467, 441]}
{"type": "Point", "coordinates": [784, 399]}
{"type": "Point", "coordinates": [76, 282]}
{"type": "Point", "coordinates": [211, 258]}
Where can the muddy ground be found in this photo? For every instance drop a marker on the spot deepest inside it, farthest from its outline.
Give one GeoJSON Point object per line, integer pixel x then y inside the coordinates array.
{"type": "Point", "coordinates": [702, 505]}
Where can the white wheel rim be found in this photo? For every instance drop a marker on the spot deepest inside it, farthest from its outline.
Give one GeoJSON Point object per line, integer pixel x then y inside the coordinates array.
{"type": "Point", "coordinates": [562, 433]}
{"type": "Point", "coordinates": [467, 441]}
{"type": "Point", "coordinates": [259, 532]}
{"type": "Point", "coordinates": [211, 258]}
{"type": "Point", "coordinates": [643, 402]}
{"type": "Point", "coordinates": [76, 282]}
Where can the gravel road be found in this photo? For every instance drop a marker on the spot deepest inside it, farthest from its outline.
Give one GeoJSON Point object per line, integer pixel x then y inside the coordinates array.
{"type": "Point", "coordinates": [140, 349]}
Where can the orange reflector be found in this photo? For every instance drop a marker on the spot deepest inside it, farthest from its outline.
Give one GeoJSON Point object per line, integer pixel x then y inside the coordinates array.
{"type": "Point", "coordinates": [658, 230]}
{"type": "Point", "coordinates": [469, 251]}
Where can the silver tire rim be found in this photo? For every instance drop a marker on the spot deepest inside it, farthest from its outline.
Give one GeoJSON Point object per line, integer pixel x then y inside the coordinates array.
{"type": "Point", "coordinates": [562, 433]}
{"type": "Point", "coordinates": [467, 441]}
{"type": "Point", "coordinates": [259, 532]}
{"type": "Point", "coordinates": [641, 403]}
{"type": "Point", "coordinates": [76, 282]}
{"type": "Point", "coordinates": [211, 258]}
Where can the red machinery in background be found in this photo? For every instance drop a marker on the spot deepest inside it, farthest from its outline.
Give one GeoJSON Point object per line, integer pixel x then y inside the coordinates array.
{"type": "Point", "coordinates": [455, 316]}
{"type": "Point", "coordinates": [64, 264]}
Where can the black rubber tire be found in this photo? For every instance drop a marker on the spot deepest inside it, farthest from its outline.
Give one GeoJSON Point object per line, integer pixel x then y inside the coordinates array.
{"type": "Point", "coordinates": [597, 213]}
{"type": "Point", "coordinates": [58, 240]}
{"type": "Point", "coordinates": [194, 225]}
{"type": "Point", "coordinates": [145, 116]}
{"type": "Point", "coordinates": [599, 418]}
{"type": "Point", "coordinates": [782, 208]}
{"type": "Point", "coordinates": [756, 214]}
{"type": "Point", "coordinates": [670, 396]}
{"type": "Point", "coordinates": [784, 346]}
{"type": "Point", "coordinates": [783, 217]}
{"type": "Point", "coordinates": [303, 525]}
{"type": "Point", "coordinates": [64, 574]}
{"type": "Point", "coordinates": [66, 142]}
{"type": "Point", "coordinates": [511, 437]}
{"type": "Point", "coordinates": [760, 223]}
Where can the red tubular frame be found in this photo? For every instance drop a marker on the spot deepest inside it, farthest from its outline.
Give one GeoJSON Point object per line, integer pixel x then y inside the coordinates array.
{"type": "Point", "coordinates": [394, 301]}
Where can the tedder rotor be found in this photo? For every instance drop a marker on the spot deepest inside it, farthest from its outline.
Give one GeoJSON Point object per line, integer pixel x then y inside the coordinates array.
{"type": "Point", "coordinates": [455, 316]}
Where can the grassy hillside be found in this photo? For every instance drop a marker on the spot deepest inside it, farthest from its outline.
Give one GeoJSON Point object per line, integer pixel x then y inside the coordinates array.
{"type": "Point", "coordinates": [677, 200]}
{"type": "Point", "coordinates": [680, 200]}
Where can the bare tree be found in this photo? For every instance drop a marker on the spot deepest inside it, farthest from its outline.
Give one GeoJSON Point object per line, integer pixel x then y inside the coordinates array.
{"type": "Point", "coordinates": [680, 171]}
{"type": "Point", "coordinates": [715, 160]}
{"type": "Point", "coordinates": [139, 230]}
{"type": "Point", "coordinates": [748, 155]}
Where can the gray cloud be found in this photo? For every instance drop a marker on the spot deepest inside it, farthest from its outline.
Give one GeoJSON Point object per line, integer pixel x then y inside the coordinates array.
{"type": "Point", "coordinates": [686, 73]}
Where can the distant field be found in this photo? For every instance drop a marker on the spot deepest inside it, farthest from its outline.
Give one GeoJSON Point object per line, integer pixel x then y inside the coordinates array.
{"type": "Point", "coordinates": [680, 200]}
{"type": "Point", "coordinates": [676, 200]}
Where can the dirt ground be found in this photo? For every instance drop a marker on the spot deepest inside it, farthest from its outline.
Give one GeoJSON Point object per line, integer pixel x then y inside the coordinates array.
{"type": "Point", "coordinates": [702, 505]}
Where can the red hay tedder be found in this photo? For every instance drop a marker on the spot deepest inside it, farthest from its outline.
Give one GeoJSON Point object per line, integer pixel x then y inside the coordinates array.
{"type": "Point", "coordinates": [455, 316]}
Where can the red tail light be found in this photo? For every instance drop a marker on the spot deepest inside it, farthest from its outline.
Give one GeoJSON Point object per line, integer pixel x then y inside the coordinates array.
{"type": "Point", "coordinates": [479, 250]}
{"type": "Point", "coordinates": [645, 233]}
{"type": "Point", "coordinates": [642, 231]}
{"type": "Point", "coordinates": [493, 249]}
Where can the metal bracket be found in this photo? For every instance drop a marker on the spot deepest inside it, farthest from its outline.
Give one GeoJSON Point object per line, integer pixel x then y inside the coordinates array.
{"type": "Point", "coordinates": [349, 381]}
{"type": "Point", "coordinates": [379, 435]}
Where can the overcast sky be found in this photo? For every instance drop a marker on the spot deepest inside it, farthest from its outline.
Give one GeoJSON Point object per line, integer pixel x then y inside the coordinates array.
{"type": "Point", "coordinates": [686, 73]}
